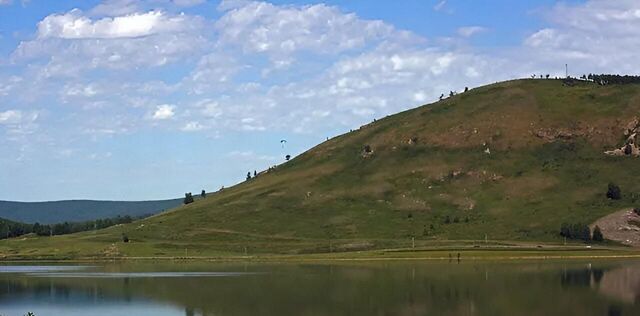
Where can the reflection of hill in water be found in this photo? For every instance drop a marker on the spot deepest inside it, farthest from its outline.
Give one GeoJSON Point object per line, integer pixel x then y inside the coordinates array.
{"type": "Point", "coordinates": [622, 283]}
{"type": "Point", "coordinates": [52, 291]}
{"type": "Point", "coordinates": [376, 289]}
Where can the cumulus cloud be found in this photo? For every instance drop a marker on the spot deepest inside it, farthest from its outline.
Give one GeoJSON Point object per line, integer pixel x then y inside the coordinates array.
{"type": "Point", "coordinates": [593, 36]}
{"type": "Point", "coordinates": [71, 44]}
{"type": "Point", "coordinates": [283, 30]}
{"type": "Point", "coordinates": [163, 112]}
{"type": "Point", "coordinates": [74, 25]}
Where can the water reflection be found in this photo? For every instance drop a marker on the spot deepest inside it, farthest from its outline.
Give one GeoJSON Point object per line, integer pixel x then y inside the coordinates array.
{"type": "Point", "coordinates": [536, 288]}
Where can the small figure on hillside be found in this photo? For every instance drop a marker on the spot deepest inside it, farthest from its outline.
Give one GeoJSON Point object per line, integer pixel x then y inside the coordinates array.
{"type": "Point", "coordinates": [203, 194]}
{"type": "Point", "coordinates": [466, 89]}
{"type": "Point", "coordinates": [248, 175]}
{"type": "Point", "coordinates": [255, 173]}
{"type": "Point", "coordinates": [441, 97]}
{"type": "Point", "coordinates": [287, 157]}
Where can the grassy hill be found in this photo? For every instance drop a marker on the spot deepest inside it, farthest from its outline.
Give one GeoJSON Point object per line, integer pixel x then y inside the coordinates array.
{"type": "Point", "coordinates": [79, 210]}
{"type": "Point", "coordinates": [508, 161]}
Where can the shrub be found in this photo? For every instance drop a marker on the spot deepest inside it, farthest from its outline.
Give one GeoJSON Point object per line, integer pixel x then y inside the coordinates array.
{"type": "Point", "coordinates": [614, 192]}
{"type": "Point", "coordinates": [188, 198]}
{"type": "Point", "coordinates": [575, 231]}
{"type": "Point", "coordinates": [597, 235]}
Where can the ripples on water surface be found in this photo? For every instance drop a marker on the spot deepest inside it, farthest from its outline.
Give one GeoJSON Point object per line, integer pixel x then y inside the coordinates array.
{"type": "Point", "coordinates": [402, 288]}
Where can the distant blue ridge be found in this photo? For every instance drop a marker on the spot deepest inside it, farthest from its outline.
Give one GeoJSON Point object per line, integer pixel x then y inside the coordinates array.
{"type": "Point", "coordinates": [80, 210]}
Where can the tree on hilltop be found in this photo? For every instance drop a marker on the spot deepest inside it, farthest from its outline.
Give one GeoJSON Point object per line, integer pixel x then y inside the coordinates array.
{"type": "Point", "coordinates": [188, 198]}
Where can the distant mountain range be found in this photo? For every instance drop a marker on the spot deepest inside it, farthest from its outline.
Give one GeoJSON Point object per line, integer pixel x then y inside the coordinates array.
{"type": "Point", "coordinates": [80, 210]}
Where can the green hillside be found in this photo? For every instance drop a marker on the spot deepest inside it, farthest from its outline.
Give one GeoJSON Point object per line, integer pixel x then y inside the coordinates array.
{"type": "Point", "coordinates": [80, 210]}
{"type": "Point", "coordinates": [508, 161]}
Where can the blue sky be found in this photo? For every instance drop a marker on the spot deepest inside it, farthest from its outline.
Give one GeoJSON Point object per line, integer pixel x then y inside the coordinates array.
{"type": "Point", "coordinates": [122, 99]}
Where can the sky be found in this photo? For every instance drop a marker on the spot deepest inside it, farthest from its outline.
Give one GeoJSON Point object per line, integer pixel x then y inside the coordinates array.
{"type": "Point", "coordinates": [136, 100]}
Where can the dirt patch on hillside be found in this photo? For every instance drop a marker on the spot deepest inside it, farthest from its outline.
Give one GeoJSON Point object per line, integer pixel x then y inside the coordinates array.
{"type": "Point", "coordinates": [622, 226]}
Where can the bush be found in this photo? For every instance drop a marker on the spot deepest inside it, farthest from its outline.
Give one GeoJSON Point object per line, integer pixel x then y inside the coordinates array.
{"type": "Point", "coordinates": [614, 192]}
{"type": "Point", "coordinates": [575, 231]}
{"type": "Point", "coordinates": [188, 198]}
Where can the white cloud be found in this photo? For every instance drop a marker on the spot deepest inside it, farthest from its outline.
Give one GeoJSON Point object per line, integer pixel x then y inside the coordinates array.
{"type": "Point", "coordinates": [192, 127]}
{"type": "Point", "coordinates": [74, 25]}
{"type": "Point", "coordinates": [6, 2]}
{"type": "Point", "coordinates": [164, 112]}
{"type": "Point", "coordinates": [188, 3]}
{"type": "Point", "coordinates": [115, 7]}
{"type": "Point", "coordinates": [282, 30]}
{"type": "Point", "coordinates": [596, 36]}
{"type": "Point", "coordinates": [79, 90]}
{"type": "Point", "coordinates": [468, 31]}
{"type": "Point", "coordinates": [440, 5]}
{"type": "Point", "coordinates": [10, 117]}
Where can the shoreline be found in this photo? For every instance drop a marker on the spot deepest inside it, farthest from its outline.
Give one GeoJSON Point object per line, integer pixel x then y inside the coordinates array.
{"type": "Point", "coordinates": [387, 255]}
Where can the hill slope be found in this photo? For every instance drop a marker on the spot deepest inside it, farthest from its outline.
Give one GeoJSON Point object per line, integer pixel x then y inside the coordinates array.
{"type": "Point", "coordinates": [509, 161]}
{"type": "Point", "coordinates": [80, 210]}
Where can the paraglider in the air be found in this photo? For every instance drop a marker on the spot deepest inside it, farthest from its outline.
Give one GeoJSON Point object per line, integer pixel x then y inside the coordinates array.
{"type": "Point", "coordinates": [283, 142]}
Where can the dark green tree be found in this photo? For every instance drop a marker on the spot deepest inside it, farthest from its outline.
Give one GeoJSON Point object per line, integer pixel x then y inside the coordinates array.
{"type": "Point", "coordinates": [597, 235]}
{"type": "Point", "coordinates": [188, 198]}
{"type": "Point", "coordinates": [614, 192]}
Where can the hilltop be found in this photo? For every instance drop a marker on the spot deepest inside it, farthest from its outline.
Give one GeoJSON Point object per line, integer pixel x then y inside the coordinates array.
{"type": "Point", "coordinates": [508, 161]}
{"type": "Point", "coordinates": [80, 210]}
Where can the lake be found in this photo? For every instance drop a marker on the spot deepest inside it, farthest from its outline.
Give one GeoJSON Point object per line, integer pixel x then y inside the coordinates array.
{"type": "Point", "coordinates": [377, 288]}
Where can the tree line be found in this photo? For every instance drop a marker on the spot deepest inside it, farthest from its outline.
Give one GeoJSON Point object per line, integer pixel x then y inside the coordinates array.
{"type": "Point", "coordinates": [9, 229]}
{"type": "Point", "coordinates": [606, 79]}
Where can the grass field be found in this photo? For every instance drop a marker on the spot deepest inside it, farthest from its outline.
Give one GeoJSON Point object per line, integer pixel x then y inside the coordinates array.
{"type": "Point", "coordinates": [509, 161]}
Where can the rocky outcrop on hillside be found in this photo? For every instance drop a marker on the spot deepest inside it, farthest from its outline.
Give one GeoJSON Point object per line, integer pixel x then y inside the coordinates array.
{"type": "Point", "coordinates": [630, 147]}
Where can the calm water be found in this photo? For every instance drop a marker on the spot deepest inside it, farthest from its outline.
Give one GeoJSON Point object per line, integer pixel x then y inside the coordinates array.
{"type": "Point", "coordinates": [401, 288]}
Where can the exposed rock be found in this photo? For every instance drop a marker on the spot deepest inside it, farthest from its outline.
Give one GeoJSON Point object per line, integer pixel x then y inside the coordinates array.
{"type": "Point", "coordinates": [630, 148]}
{"type": "Point", "coordinates": [550, 134]}
{"type": "Point", "coordinates": [367, 151]}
